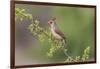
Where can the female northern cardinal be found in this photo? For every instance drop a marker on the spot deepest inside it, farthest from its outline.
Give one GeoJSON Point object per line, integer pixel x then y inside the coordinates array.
{"type": "Point", "coordinates": [56, 32]}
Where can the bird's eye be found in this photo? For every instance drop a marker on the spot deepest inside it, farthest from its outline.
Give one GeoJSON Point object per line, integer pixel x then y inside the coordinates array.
{"type": "Point", "coordinates": [50, 22]}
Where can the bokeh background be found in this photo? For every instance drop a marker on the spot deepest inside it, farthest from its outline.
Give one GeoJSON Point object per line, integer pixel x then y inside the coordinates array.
{"type": "Point", "coordinates": [77, 23]}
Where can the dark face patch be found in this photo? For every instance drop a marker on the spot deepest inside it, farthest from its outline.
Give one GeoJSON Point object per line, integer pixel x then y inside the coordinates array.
{"type": "Point", "coordinates": [50, 22]}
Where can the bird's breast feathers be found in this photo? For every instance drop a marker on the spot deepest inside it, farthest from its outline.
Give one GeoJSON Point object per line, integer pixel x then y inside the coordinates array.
{"type": "Point", "coordinates": [57, 34]}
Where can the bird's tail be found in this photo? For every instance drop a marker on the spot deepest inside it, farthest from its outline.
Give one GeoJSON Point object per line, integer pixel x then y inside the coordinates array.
{"type": "Point", "coordinates": [65, 52]}
{"type": "Point", "coordinates": [64, 49]}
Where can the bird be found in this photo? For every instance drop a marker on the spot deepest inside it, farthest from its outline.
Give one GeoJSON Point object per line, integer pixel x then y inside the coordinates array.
{"type": "Point", "coordinates": [57, 33]}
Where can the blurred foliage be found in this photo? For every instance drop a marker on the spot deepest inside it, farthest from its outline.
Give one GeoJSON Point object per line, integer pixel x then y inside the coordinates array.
{"type": "Point", "coordinates": [44, 34]}
{"type": "Point", "coordinates": [86, 53]}
{"type": "Point", "coordinates": [82, 58]}
{"type": "Point", "coordinates": [21, 14]}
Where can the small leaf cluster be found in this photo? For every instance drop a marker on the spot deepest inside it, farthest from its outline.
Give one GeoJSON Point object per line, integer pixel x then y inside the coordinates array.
{"type": "Point", "coordinates": [21, 14]}
{"type": "Point", "coordinates": [86, 53]}
{"type": "Point", "coordinates": [82, 58]}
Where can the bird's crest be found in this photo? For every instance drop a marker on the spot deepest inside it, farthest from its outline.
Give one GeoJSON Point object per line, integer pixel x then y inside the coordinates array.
{"type": "Point", "coordinates": [53, 19]}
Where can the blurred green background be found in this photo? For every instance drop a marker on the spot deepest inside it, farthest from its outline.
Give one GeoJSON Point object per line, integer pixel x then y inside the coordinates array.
{"type": "Point", "coordinates": [77, 23]}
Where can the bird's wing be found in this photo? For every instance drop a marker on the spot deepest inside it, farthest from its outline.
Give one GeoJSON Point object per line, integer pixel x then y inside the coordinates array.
{"type": "Point", "coordinates": [59, 33]}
